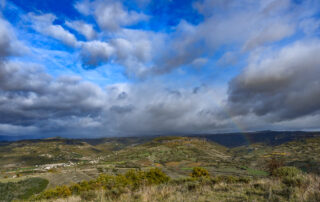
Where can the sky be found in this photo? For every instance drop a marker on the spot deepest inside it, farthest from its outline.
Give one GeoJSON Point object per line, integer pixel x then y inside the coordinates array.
{"type": "Point", "coordinates": [105, 68]}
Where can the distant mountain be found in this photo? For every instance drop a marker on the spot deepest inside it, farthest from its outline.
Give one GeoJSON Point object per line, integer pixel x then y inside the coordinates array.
{"type": "Point", "coordinates": [4, 138]}
{"type": "Point", "coordinates": [271, 138]}
{"type": "Point", "coordinates": [226, 139]}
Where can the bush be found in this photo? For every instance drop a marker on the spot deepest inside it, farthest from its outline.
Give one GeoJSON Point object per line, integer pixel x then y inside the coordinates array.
{"type": "Point", "coordinates": [199, 172]}
{"type": "Point", "coordinates": [287, 171]}
{"type": "Point", "coordinates": [290, 176]}
{"type": "Point", "coordinates": [156, 176]}
{"type": "Point", "coordinates": [76, 189]}
{"type": "Point", "coordinates": [58, 192]}
{"type": "Point", "coordinates": [63, 191]}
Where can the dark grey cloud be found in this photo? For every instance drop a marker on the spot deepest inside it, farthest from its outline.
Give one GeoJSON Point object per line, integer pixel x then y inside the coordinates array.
{"type": "Point", "coordinates": [94, 53]}
{"type": "Point", "coordinates": [122, 109]}
{"type": "Point", "coordinates": [281, 86]}
{"type": "Point", "coordinates": [30, 97]}
{"type": "Point", "coordinates": [153, 108]}
{"type": "Point", "coordinates": [9, 45]}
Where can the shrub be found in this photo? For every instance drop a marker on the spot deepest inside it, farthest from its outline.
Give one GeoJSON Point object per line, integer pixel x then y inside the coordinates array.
{"type": "Point", "coordinates": [199, 172]}
{"type": "Point", "coordinates": [287, 171]}
{"type": "Point", "coordinates": [156, 176]}
{"type": "Point", "coordinates": [76, 189]}
{"type": "Point", "coordinates": [58, 192]}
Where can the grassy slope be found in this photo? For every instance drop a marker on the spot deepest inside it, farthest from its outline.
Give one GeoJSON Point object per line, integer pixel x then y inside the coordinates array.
{"type": "Point", "coordinates": [57, 150]}
{"type": "Point", "coordinates": [177, 155]}
{"type": "Point", "coordinates": [304, 154]}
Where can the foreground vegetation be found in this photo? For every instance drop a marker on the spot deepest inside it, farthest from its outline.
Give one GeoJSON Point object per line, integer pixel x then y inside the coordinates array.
{"type": "Point", "coordinates": [285, 184]}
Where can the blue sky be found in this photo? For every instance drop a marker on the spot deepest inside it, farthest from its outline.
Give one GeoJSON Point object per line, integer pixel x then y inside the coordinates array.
{"type": "Point", "coordinates": [121, 68]}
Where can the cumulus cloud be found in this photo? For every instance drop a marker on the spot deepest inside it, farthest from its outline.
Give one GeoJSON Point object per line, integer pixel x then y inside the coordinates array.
{"type": "Point", "coordinates": [9, 45]}
{"type": "Point", "coordinates": [30, 96]}
{"type": "Point", "coordinates": [246, 25]}
{"type": "Point", "coordinates": [133, 49]}
{"type": "Point", "coordinates": [110, 15]}
{"type": "Point", "coordinates": [94, 53]}
{"type": "Point", "coordinates": [163, 110]}
{"type": "Point", "coordinates": [44, 24]}
{"type": "Point", "coordinates": [85, 29]}
{"type": "Point", "coordinates": [33, 102]}
{"type": "Point", "coordinates": [283, 85]}
{"type": "Point", "coordinates": [69, 105]}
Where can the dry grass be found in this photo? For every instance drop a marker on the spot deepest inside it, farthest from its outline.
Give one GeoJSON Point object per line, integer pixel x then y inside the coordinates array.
{"type": "Point", "coordinates": [257, 190]}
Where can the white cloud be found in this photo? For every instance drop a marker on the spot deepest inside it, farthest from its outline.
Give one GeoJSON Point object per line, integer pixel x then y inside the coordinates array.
{"type": "Point", "coordinates": [199, 62]}
{"type": "Point", "coordinates": [110, 15]}
{"type": "Point", "coordinates": [269, 33]}
{"type": "Point", "coordinates": [95, 52]}
{"type": "Point", "coordinates": [44, 24]}
{"type": "Point", "coordinates": [83, 28]}
{"type": "Point", "coordinates": [9, 45]}
{"type": "Point", "coordinates": [83, 7]}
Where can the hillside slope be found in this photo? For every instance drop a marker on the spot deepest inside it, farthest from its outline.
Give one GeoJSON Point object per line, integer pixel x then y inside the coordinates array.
{"type": "Point", "coordinates": [302, 153]}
